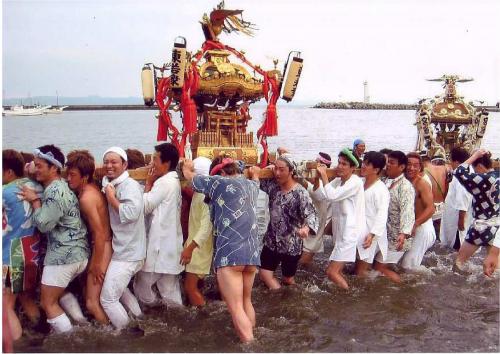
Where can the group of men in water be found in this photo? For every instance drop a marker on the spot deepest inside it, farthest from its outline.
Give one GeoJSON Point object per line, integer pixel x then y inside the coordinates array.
{"type": "Point", "coordinates": [128, 237]}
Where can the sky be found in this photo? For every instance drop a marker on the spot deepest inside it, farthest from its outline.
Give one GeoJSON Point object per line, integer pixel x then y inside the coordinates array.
{"type": "Point", "coordinates": [82, 48]}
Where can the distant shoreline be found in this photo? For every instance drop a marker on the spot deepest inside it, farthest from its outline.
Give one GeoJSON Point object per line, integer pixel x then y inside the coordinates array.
{"type": "Point", "coordinates": [381, 106]}
{"type": "Point", "coordinates": [321, 105]}
{"type": "Point", "coordinates": [362, 105]}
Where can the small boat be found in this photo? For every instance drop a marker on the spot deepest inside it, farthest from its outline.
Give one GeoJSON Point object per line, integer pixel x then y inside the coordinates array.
{"type": "Point", "coordinates": [21, 111]}
{"type": "Point", "coordinates": [54, 110]}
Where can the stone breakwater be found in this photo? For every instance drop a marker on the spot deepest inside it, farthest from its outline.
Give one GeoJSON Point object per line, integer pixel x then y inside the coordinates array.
{"type": "Point", "coordinates": [362, 105]}
{"type": "Point", "coordinates": [385, 106]}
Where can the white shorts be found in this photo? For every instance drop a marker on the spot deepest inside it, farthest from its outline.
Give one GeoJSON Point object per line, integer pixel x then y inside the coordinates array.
{"type": "Point", "coordinates": [370, 253]}
{"type": "Point", "coordinates": [393, 257]}
{"type": "Point", "coordinates": [344, 251]}
{"type": "Point", "coordinates": [62, 275]}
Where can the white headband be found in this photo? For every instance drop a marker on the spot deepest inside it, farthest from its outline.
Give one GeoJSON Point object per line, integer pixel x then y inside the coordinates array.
{"type": "Point", "coordinates": [202, 165]}
{"type": "Point", "coordinates": [49, 156]}
{"type": "Point", "coordinates": [116, 150]}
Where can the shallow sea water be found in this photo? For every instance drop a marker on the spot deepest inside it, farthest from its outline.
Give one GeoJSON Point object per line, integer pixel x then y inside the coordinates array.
{"type": "Point", "coordinates": [434, 310]}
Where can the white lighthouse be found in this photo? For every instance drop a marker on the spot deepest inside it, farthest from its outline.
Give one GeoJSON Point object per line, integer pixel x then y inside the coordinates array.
{"type": "Point", "coordinates": [367, 95]}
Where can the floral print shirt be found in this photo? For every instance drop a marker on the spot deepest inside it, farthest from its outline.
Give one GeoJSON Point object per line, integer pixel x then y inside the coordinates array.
{"type": "Point", "coordinates": [401, 215]}
{"type": "Point", "coordinates": [59, 218]}
{"type": "Point", "coordinates": [288, 212]}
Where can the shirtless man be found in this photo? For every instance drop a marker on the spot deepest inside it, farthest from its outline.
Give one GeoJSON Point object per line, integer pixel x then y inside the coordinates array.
{"type": "Point", "coordinates": [94, 210]}
{"type": "Point", "coordinates": [423, 232]}
{"type": "Point", "coordinates": [436, 170]}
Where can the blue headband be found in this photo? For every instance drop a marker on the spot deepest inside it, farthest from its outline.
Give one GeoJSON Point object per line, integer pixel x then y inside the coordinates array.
{"type": "Point", "coordinates": [357, 142]}
{"type": "Point", "coordinates": [49, 156]}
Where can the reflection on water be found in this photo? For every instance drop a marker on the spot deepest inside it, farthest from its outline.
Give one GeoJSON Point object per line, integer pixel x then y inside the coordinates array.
{"type": "Point", "coordinates": [434, 310]}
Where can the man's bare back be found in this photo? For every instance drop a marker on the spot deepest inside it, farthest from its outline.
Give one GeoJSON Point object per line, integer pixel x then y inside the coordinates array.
{"type": "Point", "coordinates": [437, 175]}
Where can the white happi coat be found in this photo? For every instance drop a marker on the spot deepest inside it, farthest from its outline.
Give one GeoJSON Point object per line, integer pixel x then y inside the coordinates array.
{"type": "Point", "coordinates": [324, 210]}
{"type": "Point", "coordinates": [348, 216]}
{"type": "Point", "coordinates": [162, 207]}
{"type": "Point", "coordinates": [377, 199]}
{"type": "Point", "coordinates": [457, 199]}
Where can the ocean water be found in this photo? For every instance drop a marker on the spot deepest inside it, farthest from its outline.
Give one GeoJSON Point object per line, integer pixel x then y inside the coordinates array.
{"type": "Point", "coordinates": [433, 310]}
{"type": "Point", "coordinates": [304, 131]}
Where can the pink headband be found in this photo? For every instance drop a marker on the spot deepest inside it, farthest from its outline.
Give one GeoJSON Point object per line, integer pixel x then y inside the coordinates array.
{"type": "Point", "coordinates": [323, 160]}
{"type": "Point", "coordinates": [224, 163]}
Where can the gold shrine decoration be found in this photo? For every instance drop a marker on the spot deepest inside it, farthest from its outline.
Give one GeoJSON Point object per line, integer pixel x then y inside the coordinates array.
{"type": "Point", "coordinates": [293, 76]}
{"type": "Point", "coordinates": [179, 62]}
{"type": "Point", "coordinates": [483, 122]}
{"type": "Point", "coordinates": [247, 154]}
{"type": "Point", "coordinates": [447, 121]}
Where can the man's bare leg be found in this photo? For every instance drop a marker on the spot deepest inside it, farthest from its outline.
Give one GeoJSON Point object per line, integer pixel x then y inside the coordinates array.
{"type": "Point", "coordinates": [267, 276]}
{"type": "Point", "coordinates": [193, 293]}
{"type": "Point", "coordinates": [386, 271]}
{"type": "Point", "coordinates": [466, 251]}
{"type": "Point", "coordinates": [289, 280]}
{"type": "Point", "coordinates": [248, 280]}
{"type": "Point", "coordinates": [50, 300]}
{"type": "Point", "coordinates": [362, 268]}
{"type": "Point", "coordinates": [230, 281]}
{"type": "Point", "coordinates": [92, 300]}
{"type": "Point", "coordinates": [334, 273]}
{"type": "Point", "coordinates": [14, 324]}
{"type": "Point", "coordinates": [306, 258]}
{"type": "Point", "coordinates": [30, 308]}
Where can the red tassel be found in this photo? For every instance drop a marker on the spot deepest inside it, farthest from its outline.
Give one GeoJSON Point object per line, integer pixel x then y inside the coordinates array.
{"type": "Point", "coordinates": [271, 122]}
{"type": "Point", "coordinates": [188, 106]}
{"type": "Point", "coordinates": [165, 120]}
{"type": "Point", "coordinates": [161, 135]}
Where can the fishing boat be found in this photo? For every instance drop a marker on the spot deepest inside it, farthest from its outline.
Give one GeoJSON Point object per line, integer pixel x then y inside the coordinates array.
{"type": "Point", "coordinates": [22, 111]}
{"type": "Point", "coordinates": [213, 93]}
{"type": "Point", "coordinates": [448, 120]}
{"type": "Point", "coordinates": [55, 110]}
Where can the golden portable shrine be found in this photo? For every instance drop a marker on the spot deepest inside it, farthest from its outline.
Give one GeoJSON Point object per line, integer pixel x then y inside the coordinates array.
{"type": "Point", "coordinates": [447, 120]}
{"type": "Point", "coordinates": [213, 94]}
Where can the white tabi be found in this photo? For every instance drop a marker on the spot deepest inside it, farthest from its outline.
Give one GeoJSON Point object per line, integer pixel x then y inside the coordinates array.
{"type": "Point", "coordinates": [425, 236]}
{"type": "Point", "coordinates": [348, 216]}
{"type": "Point", "coordinates": [162, 207]}
{"type": "Point", "coordinates": [324, 210]}
{"type": "Point", "coordinates": [377, 199]}
{"type": "Point", "coordinates": [457, 199]}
